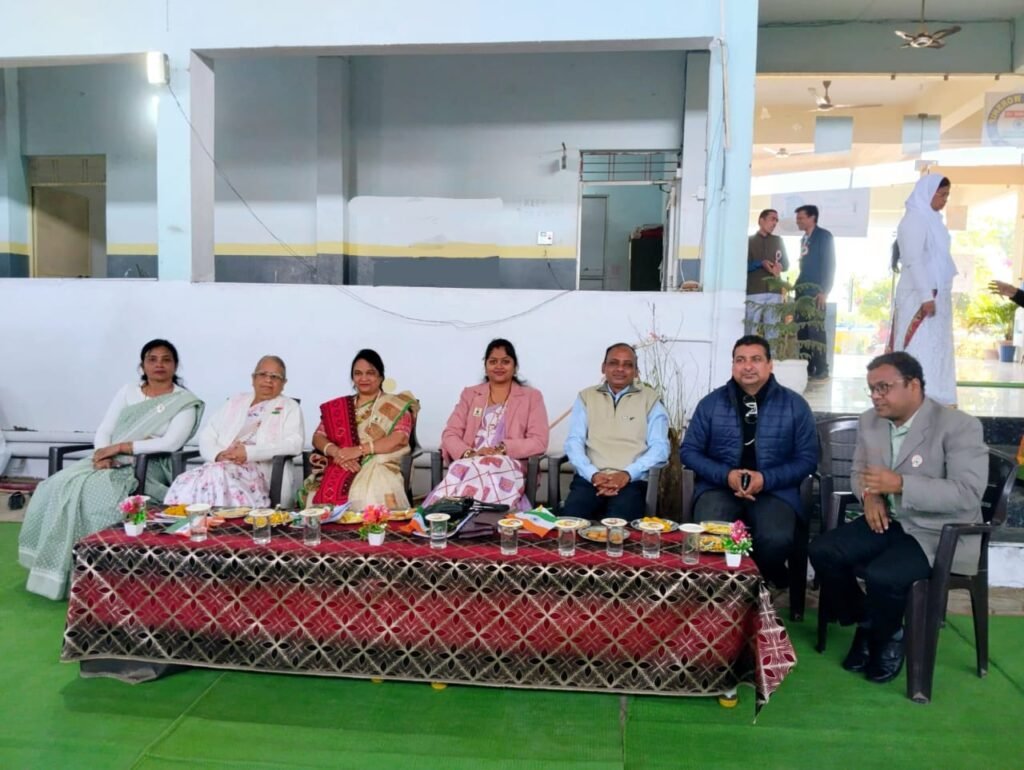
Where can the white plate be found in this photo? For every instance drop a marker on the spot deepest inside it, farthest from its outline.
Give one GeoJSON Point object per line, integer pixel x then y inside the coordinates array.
{"type": "Point", "coordinates": [673, 526]}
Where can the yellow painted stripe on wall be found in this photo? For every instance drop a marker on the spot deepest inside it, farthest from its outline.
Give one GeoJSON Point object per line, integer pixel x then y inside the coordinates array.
{"type": "Point", "coordinates": [14, 247]}
{"type": "Point", "coordinates": [454, 249]}
{"type": "Point", "coordinates": [132, 249]}
{"type": "Point", "coordinates": [689, 252]}
{"type": "Point", "coordinates": [265, 249]}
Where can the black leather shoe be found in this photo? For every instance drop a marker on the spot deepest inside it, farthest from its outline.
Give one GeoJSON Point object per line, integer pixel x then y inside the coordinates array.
{"type": "Point", "coordinates": [886, 660]}
{"type": "Point", "coordinates": [856, 659]}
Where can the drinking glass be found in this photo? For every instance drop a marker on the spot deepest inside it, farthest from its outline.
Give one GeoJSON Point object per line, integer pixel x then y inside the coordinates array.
{"type": "Point", "coordinates": [261, 526]}
{"type": "Point", "coordinates": [311, 530]}
{"type": "Point", "coordinates": [650, 539]}
{"type": "Point", "coordinates": [197, 515]}
{"type": "Point", "coordinates": [566, 537]}
{"type": "Point", "coordinates": [615, 536]}
{"type": "Point", "coordinates": [438, 523]}
{"type": "Point", "coordinates": [509, 531]}
{"type": "Point", "coordinates": [691, 542]}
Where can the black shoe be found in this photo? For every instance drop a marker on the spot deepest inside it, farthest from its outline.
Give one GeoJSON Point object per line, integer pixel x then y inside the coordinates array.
{"type": "Point", "coordinates": [857, 658]}
{"type": "Point", "coordinates": [886, 659]}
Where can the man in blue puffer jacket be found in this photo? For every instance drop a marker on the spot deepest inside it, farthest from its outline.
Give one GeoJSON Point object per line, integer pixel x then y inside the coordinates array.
{"type": "Point", "coordinates": [751, 443]}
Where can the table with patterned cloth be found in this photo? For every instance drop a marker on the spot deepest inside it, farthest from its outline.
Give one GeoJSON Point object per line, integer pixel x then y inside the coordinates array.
{"type": "Point", "coordinates": [402, 611]}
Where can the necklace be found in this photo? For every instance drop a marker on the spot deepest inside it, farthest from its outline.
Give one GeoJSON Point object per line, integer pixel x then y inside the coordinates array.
{"type": "Point", "coordinates": [492, 400]}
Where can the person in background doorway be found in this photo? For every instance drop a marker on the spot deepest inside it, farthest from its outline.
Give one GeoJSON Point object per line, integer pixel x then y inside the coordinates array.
{"type": "Point", "coordinates": [922, 317]}
{"type": "Point", "coordinates": [817, 271]}
{"type": "Point", "coordinates": [766, 259]}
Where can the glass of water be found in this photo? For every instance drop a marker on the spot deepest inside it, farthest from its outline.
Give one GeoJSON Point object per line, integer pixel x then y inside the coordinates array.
{"type": "Point", "coordinates": [261, 525]}
{"type": "Point", "coordinates": [691, 542]}
{"type": "Point", "coordinates": [508, 529]}
{"type": "Point", "coordinates": [311, 530]}
{"type": "Point", "coordinates": [567, 537]}
{"type": "Point", "coordinates": [650, 539]}
{"type": "Point", "coordinates": [438, 523]}
{"type": "Point", "coordinates": [197, 521]}
{"type": "Point", "coordinates": [615, 536]}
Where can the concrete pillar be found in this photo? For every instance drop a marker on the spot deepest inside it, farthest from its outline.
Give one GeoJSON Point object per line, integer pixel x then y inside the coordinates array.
{"type": "Point", "coordinates": [14, 208]}
{"type": "Point", "coordinates": [185, 170]}
{"type": "Point", "coordinates": [692, 186]}
{"type": "Point", "coordinates": [333, 167]}
{"type": "Point", "coordinates": [730, 146]}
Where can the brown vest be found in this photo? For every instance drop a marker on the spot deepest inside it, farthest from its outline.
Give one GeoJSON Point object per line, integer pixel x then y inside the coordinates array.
{"type": "Point", "coordinates": [617, 433]}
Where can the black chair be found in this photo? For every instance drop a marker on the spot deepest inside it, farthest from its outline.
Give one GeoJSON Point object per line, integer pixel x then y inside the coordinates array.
{"type": "Point", "coordinates": [58, 455]}
{"type": "Point", "coordinates": [927, 600]}
{"type": "Point", "coordinates": [437, 466]}
{"type": "Point", "coordinates": [797, 561]}
{"type": "Point", "coordinates": [837, 438]}
{"type": "Point", "coordinates": [555, 463]}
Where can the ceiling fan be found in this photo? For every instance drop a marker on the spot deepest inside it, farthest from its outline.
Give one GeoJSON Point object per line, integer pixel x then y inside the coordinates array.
{"type": "Point", "coordinates": [825, 103]}
{"type": "Point", "coordinates": [925, 39]}
{"type": "Point", "coordinates": [782, 152]}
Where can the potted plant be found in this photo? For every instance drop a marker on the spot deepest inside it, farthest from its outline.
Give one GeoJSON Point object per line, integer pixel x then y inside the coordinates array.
{"type": "Point", "coordinates": [375, 524]}
{"type": "Point", "coordinates": [797, 311]}
{"type": "Point", "coordinates": [736, 544]}
{"type": "Point", "coordinates": [134, 510]}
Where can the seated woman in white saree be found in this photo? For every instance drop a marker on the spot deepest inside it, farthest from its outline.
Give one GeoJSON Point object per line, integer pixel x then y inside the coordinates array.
{"type": "Point", "coordinates": [239, 444]}
{"type": "Point", "coordinates": [360, 442]}
{"type": "Point", "coordinates": [155, 415]}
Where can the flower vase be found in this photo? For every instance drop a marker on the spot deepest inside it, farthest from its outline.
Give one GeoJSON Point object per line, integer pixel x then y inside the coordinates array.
{"type": "Point", "coordinates": [375, 538]}
{"type": "Point", "coordinates": [732, 560]}
{"type": "Point", "coordinates": [134, 530]}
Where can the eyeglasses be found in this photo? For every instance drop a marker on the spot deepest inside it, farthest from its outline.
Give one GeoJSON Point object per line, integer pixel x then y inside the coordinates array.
{"type": "Point", "coordinates": [883, 388]}
{"type": "Point", "coordinates": [269, 375]}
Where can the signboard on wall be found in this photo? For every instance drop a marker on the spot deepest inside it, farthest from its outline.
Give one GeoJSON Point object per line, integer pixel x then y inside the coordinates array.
{"type": "Point", "coordinates": [844, 213]}
{"type": "Point", "coordinates": [1003, 123]}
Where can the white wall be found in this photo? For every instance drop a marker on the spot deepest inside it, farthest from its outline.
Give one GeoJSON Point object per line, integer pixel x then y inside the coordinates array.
{"type": "Point", "coordinates": [69, 369]}
{"type": "Point", "coordinates": [100, 109]}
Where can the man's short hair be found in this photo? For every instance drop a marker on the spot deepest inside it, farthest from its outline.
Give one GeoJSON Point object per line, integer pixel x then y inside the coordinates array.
{"type": "Point", "coordinates": [810, 210]}
{"type": "Point", "coordinates": [904, 363]}
{"type": "Point", "coordinates": [754, 339]}
{"type": "Point", "coordinates": [610, 348]}
{"type": "Point", "coordinates": [765, 213]}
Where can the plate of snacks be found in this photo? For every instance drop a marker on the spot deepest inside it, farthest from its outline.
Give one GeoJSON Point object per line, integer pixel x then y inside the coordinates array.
{"type": "Point", "coordinates": [666, 524]}
{"type": "Point", "coordinates": [174, 511]}
{"type": "Point", "coordinates": [276, 517]}
{"type": "Point", "coordinates": [232, 513]}
{"type": "Point", "coordinates": [401, 514]}
{"type": "Point", "coordinates": [351, 517]}
{"type": "Point", "coordinates": [711, 539]}
{"type": "Point", "coordinates": [599, 533]}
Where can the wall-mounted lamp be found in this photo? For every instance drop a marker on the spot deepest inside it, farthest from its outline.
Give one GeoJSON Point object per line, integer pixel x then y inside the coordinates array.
{"type": "Point", "coordinates": [563, 156]}
{"type": "Point", "coordinates": [157, 68]}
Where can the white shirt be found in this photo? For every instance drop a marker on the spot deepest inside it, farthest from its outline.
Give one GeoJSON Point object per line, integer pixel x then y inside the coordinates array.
{"type": "Point", "coordinates": [174, 435]}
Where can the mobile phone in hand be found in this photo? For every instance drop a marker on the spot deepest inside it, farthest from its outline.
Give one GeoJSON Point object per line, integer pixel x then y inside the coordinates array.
{"type": "Point", "coordinates": [744, 481]}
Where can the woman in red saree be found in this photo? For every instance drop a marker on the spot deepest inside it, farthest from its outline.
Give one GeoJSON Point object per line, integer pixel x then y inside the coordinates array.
{"type": "Point", "coordinates": [360, 442]}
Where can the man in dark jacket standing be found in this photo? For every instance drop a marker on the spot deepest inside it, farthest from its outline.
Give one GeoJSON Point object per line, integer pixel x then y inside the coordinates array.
{"type": "Point", "coordinates": [751, 443]}
{"type": "Point", "coordinates": [817, 271]}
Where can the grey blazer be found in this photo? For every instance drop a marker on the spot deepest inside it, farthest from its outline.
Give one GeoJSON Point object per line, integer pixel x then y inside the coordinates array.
{"type": "Point", "coordinates": [944, 464]}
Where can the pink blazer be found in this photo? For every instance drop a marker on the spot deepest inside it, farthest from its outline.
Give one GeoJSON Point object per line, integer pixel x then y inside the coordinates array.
{"type": "Point", "coordinates": [526, 422]}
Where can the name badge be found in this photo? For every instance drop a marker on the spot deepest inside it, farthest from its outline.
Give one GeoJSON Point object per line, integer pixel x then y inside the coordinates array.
{"type": "Point", "coordinates": [916, 461]}
{"type": "Point", "coordinates": [478, 411]}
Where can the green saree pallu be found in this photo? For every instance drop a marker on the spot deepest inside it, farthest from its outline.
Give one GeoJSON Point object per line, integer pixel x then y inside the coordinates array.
{"type": "Point", "coordinates": [79, 500]}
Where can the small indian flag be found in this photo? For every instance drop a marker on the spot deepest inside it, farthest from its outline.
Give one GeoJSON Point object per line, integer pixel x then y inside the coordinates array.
{"type": "Point", "coordinates": [539, 521]}
{"type": "Point", "coordinates": [417, 524]}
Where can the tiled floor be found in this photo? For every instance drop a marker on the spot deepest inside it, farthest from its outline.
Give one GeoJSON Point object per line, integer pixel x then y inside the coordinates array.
{"type": "Point", "coordinates": [846, 391]}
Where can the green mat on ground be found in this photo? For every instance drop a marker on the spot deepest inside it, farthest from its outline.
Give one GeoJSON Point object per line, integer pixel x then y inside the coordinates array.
{"type": "Point", "coordinates": [820, 717]}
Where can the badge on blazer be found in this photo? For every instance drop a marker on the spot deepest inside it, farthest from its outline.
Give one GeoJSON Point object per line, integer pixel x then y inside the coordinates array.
{"type": "Point", "coordinates": [478, 411]}
{"type": "Point", "coordinates": [916, 461]}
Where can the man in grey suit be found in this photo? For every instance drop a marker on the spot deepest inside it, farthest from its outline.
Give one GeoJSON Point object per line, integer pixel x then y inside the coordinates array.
{"type": "Point", "coordinates": [917, 466]}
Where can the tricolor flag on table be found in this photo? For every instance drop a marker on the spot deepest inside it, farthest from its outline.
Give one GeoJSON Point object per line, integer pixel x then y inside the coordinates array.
{"type": "Point", "coordinates": [417, 525]}
{"type": "Point", "coordinates": [539, 521]}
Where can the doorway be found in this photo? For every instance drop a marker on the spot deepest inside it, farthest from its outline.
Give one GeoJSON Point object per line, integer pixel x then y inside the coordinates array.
{"type": "Point", "coordinates": [68, 195]}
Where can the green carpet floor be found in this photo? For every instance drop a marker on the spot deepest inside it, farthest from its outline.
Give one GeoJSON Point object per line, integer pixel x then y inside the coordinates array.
{"type": "Point", "coordinates": [822, 717]}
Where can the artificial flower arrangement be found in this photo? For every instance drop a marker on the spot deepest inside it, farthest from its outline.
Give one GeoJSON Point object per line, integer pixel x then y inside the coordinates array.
{"type": "Point", "coordinates": [738, 540]}
{"type": "Point", "coordinates": [134, 509]}
{"type": "Point", "coordinates": [375, 521]}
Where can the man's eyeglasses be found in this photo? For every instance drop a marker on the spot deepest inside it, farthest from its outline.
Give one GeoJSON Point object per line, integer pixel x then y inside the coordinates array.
{"type": "Point", "coordinates": [269, 376]}
{"type": "Point", "coordinates": [883, 388]}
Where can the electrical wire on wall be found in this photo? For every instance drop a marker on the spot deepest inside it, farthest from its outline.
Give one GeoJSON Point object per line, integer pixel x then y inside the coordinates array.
{"type": "Point", "coordinates": [313, 271]}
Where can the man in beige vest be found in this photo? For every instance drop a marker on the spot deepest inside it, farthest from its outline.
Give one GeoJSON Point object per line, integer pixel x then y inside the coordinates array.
{"type": "Point", "coordinates": [917, 466]}
{"type": "Point", "coordinates": [618, 431]}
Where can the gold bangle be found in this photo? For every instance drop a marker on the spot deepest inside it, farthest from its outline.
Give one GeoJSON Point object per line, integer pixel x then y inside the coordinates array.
{"type": "Point", "coordinates": [325, 447]}
{"type": "Point", "coordinates": [371, 447]}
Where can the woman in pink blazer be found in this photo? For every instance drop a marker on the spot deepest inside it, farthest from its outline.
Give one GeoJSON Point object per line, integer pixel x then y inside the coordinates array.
{"type": "Point", "coordinates": [493, 429]}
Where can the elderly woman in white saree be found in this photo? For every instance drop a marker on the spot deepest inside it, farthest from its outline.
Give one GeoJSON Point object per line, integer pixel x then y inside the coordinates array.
{"type": "Point", "coordinates": [240, 442]}
{"type": "Point", "coordinates": [155, 415]}
{"type": "Point", "coordinates": [922, 321]}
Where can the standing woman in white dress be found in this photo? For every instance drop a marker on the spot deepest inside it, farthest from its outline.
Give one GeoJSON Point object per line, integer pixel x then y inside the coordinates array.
{"type": "Point", "coordinates": [922, 323]}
